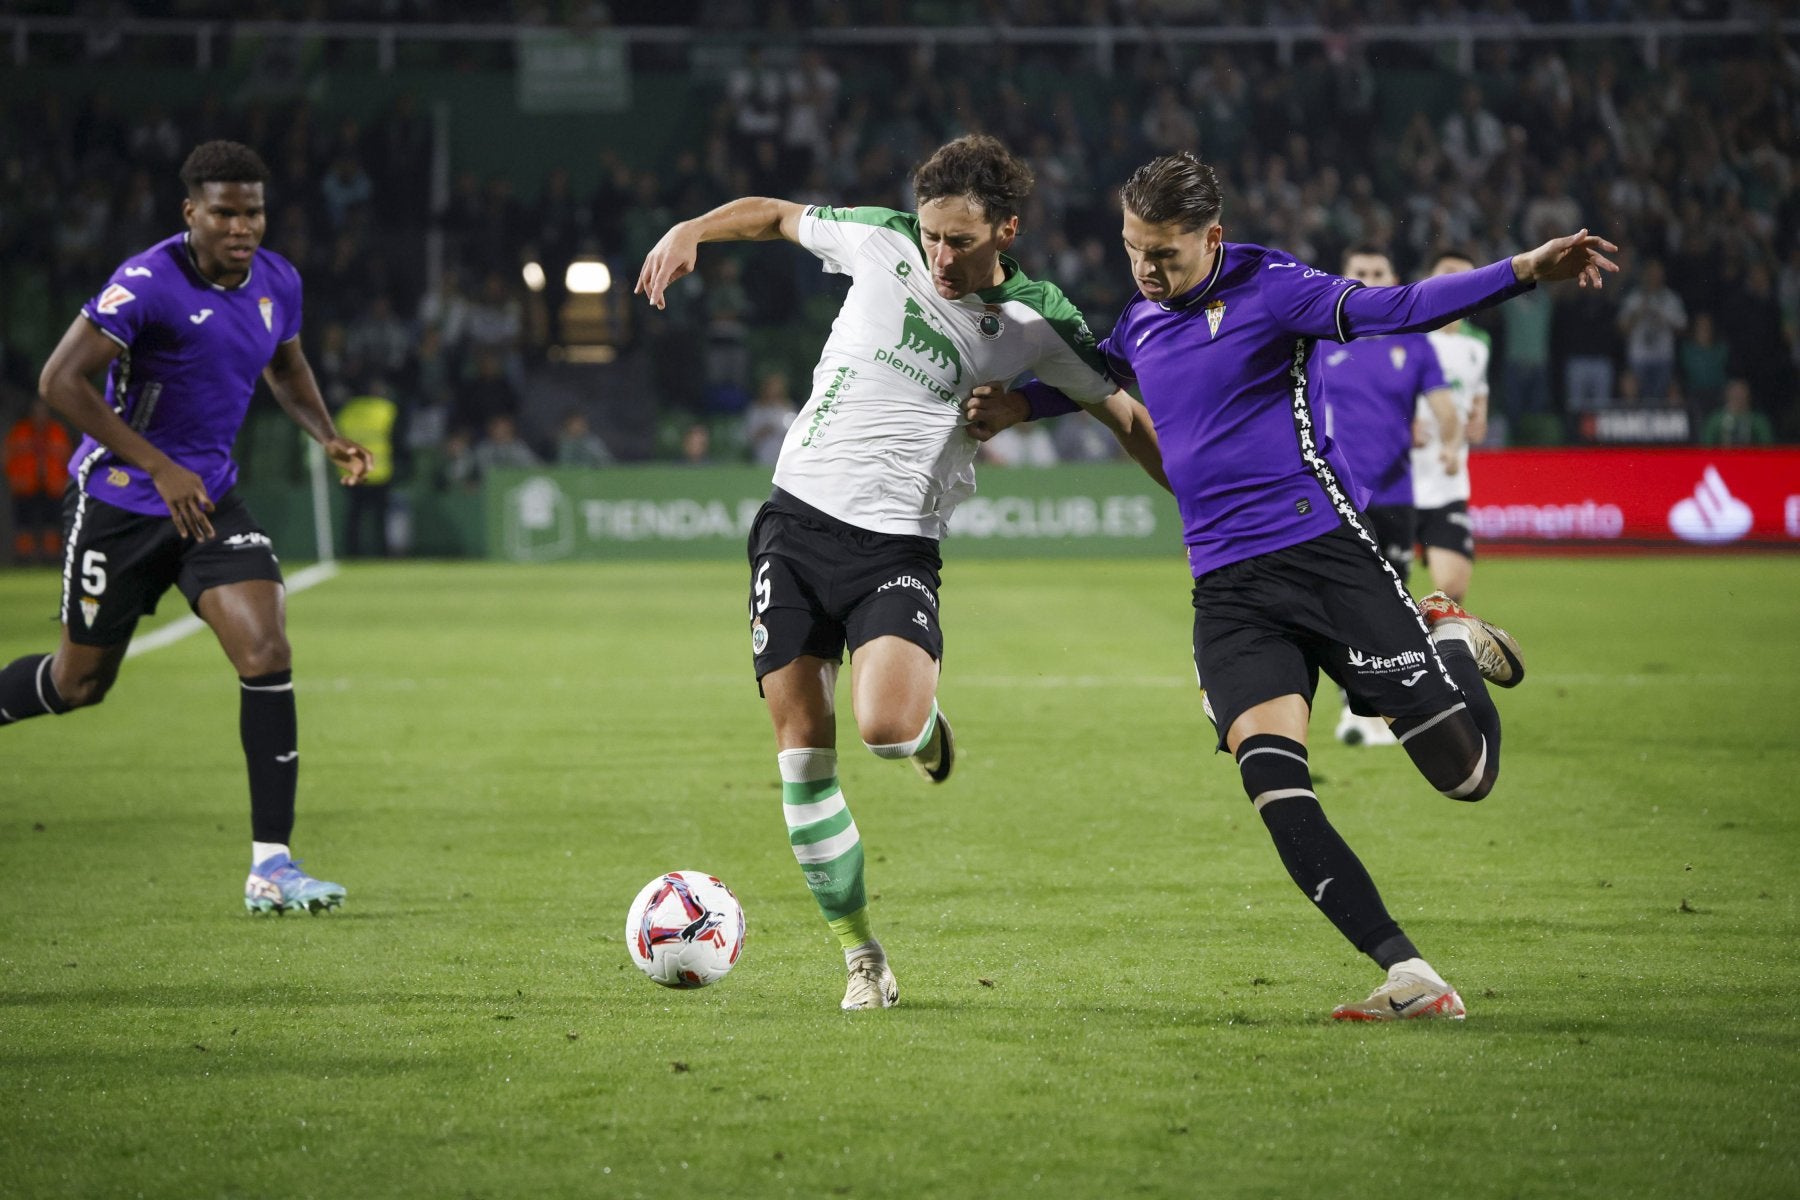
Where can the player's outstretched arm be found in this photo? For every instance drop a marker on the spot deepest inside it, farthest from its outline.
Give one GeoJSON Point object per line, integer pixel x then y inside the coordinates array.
{"type": "Point", "coordinates": [1577, 256]}
{"type": "Point", "coordinates": [1131, 425]}
{"type": "Point", "coordinates": [65, 386]}
{"type": "Point", "coordinates": [290, 377]}
{"type": "Point", "coordinates": [749, 219]}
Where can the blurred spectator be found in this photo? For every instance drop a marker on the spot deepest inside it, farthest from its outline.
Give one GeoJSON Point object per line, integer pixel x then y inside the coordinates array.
{"type": "Point", "coordinates": [487, 394]}
{"type": "Point", "coordinates": [501, 446]}
{"type": "Point", "coordinates": [727, 350]}
{"type": "Point", "coordinates": [37, 456]}
{"type": "Point", "coordinates": [767, 419]}
{"type": "Point", "coordinates": [812, 110]}
{"type": "Point", "coordinates": [1585, 335]}
{"type": "Point", "coordinates": [756, 96]}
{"type": "Point", "coordinates": [1552, 212]}
{"type": "Point", "coordinates": [380, 341]}
{"type": "Point", "coordinates": [333, 364]}
{"type": "Point", "coordinates": [444, 310]}
{"type": "Point", "coordinates": [1750, 318]}
{"type": "Point", "coordinates": [559, 225]}
{"type": "Point", "coordinates": [696, 445]}
{"type": "Point", "coordinates": [346, 189]}
{"type": "Point", "coordinates": [577, 445]}
{"type": "Point", "coordinates": [496, 327]}
{"type": "Point", "coordinates": [1169, 125]}
{"type": "Point", "coordinates": [1705, 363]}
{"type": "Point", "coordinates": [1651, 318]}
{"type": "Point", "coordinates": [1736, 423]}
{"type": "Point", "coordinates": [1525, 355]}
{"type": "Point", "coordinates": [458, 470]}
{"type": "Point", "coordinates": [403, 161]}
{"type": "Point", "coordinates": [373, 419]}
{"type": "Point", "coordinates": [1690, 164]}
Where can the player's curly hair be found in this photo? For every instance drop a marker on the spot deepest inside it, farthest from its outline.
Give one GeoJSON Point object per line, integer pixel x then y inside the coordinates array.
{"type": "Point", "coordinates": [1175, 189]}
{"type": "Point", "coordinates": [980, 167]}
{"type": "Point", "coordinates": [222, 162]}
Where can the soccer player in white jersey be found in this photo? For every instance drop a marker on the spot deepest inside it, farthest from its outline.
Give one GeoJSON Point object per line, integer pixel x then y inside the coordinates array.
{"type": "Point", "coordinates": [1441, 471]}
{"type": "Point", "coordinates": [845, 553]}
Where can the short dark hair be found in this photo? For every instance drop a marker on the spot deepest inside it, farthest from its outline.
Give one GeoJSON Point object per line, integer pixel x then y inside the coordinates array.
{"type": "Point", "coordinates": [1366, 249]}
{"type": "Point", "coordinates": [980, 167]}
{"type": "Point", "coordinates": [222, 162]}
{"type": "Point", "coordinates": [1451, 252]}
{"type": "Point", "coordinates": [1175, 189]}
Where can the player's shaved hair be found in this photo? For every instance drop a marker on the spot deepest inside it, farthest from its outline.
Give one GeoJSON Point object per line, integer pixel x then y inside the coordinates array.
{"type": "Point", "coordinates": [222, 162]}
{"type": "Point", "coordinates": [1176, 189]}
{"type": "Point", "coordinates": [980, 167]}
{"type": "Point", "coordinates": [1451, 252]}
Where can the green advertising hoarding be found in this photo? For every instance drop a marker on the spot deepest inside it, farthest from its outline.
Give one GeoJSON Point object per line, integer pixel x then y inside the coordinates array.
{"type": "Point", "coordinates": [705, 512]}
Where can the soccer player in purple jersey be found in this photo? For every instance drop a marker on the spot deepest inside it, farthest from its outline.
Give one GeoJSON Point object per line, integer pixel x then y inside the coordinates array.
{"type": "Point", "coordinates": [183, 330]}
{"type": "Point", "coordinates": [1288, 579]}
{"type": "Point", "coordinates": [1371, 388]}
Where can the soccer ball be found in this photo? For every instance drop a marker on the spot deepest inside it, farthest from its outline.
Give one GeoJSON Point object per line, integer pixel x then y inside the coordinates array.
{"type": "Point", "coordinates": [685, 929]}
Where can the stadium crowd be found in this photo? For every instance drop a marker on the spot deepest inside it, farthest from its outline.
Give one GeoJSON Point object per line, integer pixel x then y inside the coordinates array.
{"type": "Point", "coordinates": [1354, 142]}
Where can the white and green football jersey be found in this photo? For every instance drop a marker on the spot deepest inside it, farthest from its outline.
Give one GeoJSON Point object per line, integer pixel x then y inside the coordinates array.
{"type": "Point", "coordinates": [1463, 355]}
{"type": "Point", "coordinates": [880, 443]}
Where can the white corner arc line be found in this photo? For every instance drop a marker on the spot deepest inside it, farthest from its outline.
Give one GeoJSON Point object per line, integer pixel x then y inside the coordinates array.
{"type": "Point", "coordinates": [174, 631]}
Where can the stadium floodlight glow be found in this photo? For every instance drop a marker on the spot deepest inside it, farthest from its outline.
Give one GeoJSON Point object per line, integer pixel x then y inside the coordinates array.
{"type": "Point", "coordinates": [588, 277]}
{"type": "Point", "coordinates": [534, 276]}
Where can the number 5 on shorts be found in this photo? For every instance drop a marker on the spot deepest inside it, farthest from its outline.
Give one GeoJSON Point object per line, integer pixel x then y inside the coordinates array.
{"type": "Point", "coordinates": [93, 573]}
{"type": "Point", "coordinates": [761, 589]}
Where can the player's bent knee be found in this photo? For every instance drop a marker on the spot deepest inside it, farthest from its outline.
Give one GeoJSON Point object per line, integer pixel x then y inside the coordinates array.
{"type": "Point", "coordinates": [1273, 768]}
{"type": "Point", "coordinates": [83, 693]}
{"type": "Point", "coordinates": [889, 737]}
{"type": "Point", "coordinates": [266, 657]}
{"type": "Point", "coordinates": [1451, 753]}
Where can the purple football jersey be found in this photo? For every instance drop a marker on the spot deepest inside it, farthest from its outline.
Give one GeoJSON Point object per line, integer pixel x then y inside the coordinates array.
{"type": "Point", "coordinates": [1225, 372]}
{"type": "Point", "coordinates": [192, 355]}
{"type": "Point", "coordinates": [1371, 388]}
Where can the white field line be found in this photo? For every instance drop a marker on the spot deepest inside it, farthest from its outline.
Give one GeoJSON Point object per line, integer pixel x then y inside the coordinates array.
{"type": "Point", "coordinates": [174, 631]}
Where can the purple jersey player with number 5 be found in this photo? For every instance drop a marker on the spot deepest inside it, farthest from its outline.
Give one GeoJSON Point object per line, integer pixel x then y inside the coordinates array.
{"type": "Point", "coordinates": [183, 332]}
{"type": "Point", "coordinates": [1288, 578]}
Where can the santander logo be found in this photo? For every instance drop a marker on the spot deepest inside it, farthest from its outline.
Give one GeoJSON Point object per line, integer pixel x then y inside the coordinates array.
{"type": "Point", "coordinates": [1712, 515]}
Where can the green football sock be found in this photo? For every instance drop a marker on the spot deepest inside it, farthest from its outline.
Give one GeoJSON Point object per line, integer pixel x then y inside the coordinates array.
{"type": "Point", "coordinates": [825, 841]}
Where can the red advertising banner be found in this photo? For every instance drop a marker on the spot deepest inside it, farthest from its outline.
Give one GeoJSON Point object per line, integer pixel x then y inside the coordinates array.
{"type": "Point", "coordinates": [1651, 498]}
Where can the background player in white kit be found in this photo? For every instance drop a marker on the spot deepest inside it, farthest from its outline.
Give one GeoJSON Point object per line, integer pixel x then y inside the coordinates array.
{"type": "Point", "coordinates": [1440, 469]}
{"type": "Point", "coordinates": [845, 554]}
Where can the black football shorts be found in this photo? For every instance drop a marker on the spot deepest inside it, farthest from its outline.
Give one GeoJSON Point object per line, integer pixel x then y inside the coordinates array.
{"type": "Point", "coordinates": [819, 586]}
{"type": "Point", "coordinates": [1447, 528]}
{"type": "Point", "coordinates": [1395, 527]}
{"type": "Point", "coordinates": [118, 564]}
{"type": "Point", "coordinates": [1265, 627]}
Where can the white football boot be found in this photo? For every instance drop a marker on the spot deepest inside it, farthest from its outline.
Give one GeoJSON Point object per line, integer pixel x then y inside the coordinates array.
{"type": "Point", "coordinates": [871, 984]}
{"type": "Point", "coordinates": [1412, 990]}
{"type": "Point", "coordinates": [1496, 652]}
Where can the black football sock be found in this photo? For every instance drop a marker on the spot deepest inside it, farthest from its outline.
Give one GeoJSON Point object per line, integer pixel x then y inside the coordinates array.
{"type": "Point", "coordinates": [1457, 750]}
{"type": "Point", "coordinates": [28, 690]}
{"type": "Point", "coordinates": [1460, 661]}
{"type": "Point", "coordinates": [270, 733]}
{"type": "Point", "coordinates": [1279, 782]}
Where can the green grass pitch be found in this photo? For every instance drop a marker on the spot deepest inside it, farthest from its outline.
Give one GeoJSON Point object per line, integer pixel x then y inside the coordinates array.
{"type": "Point", "coordinates": [1110, 987]}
